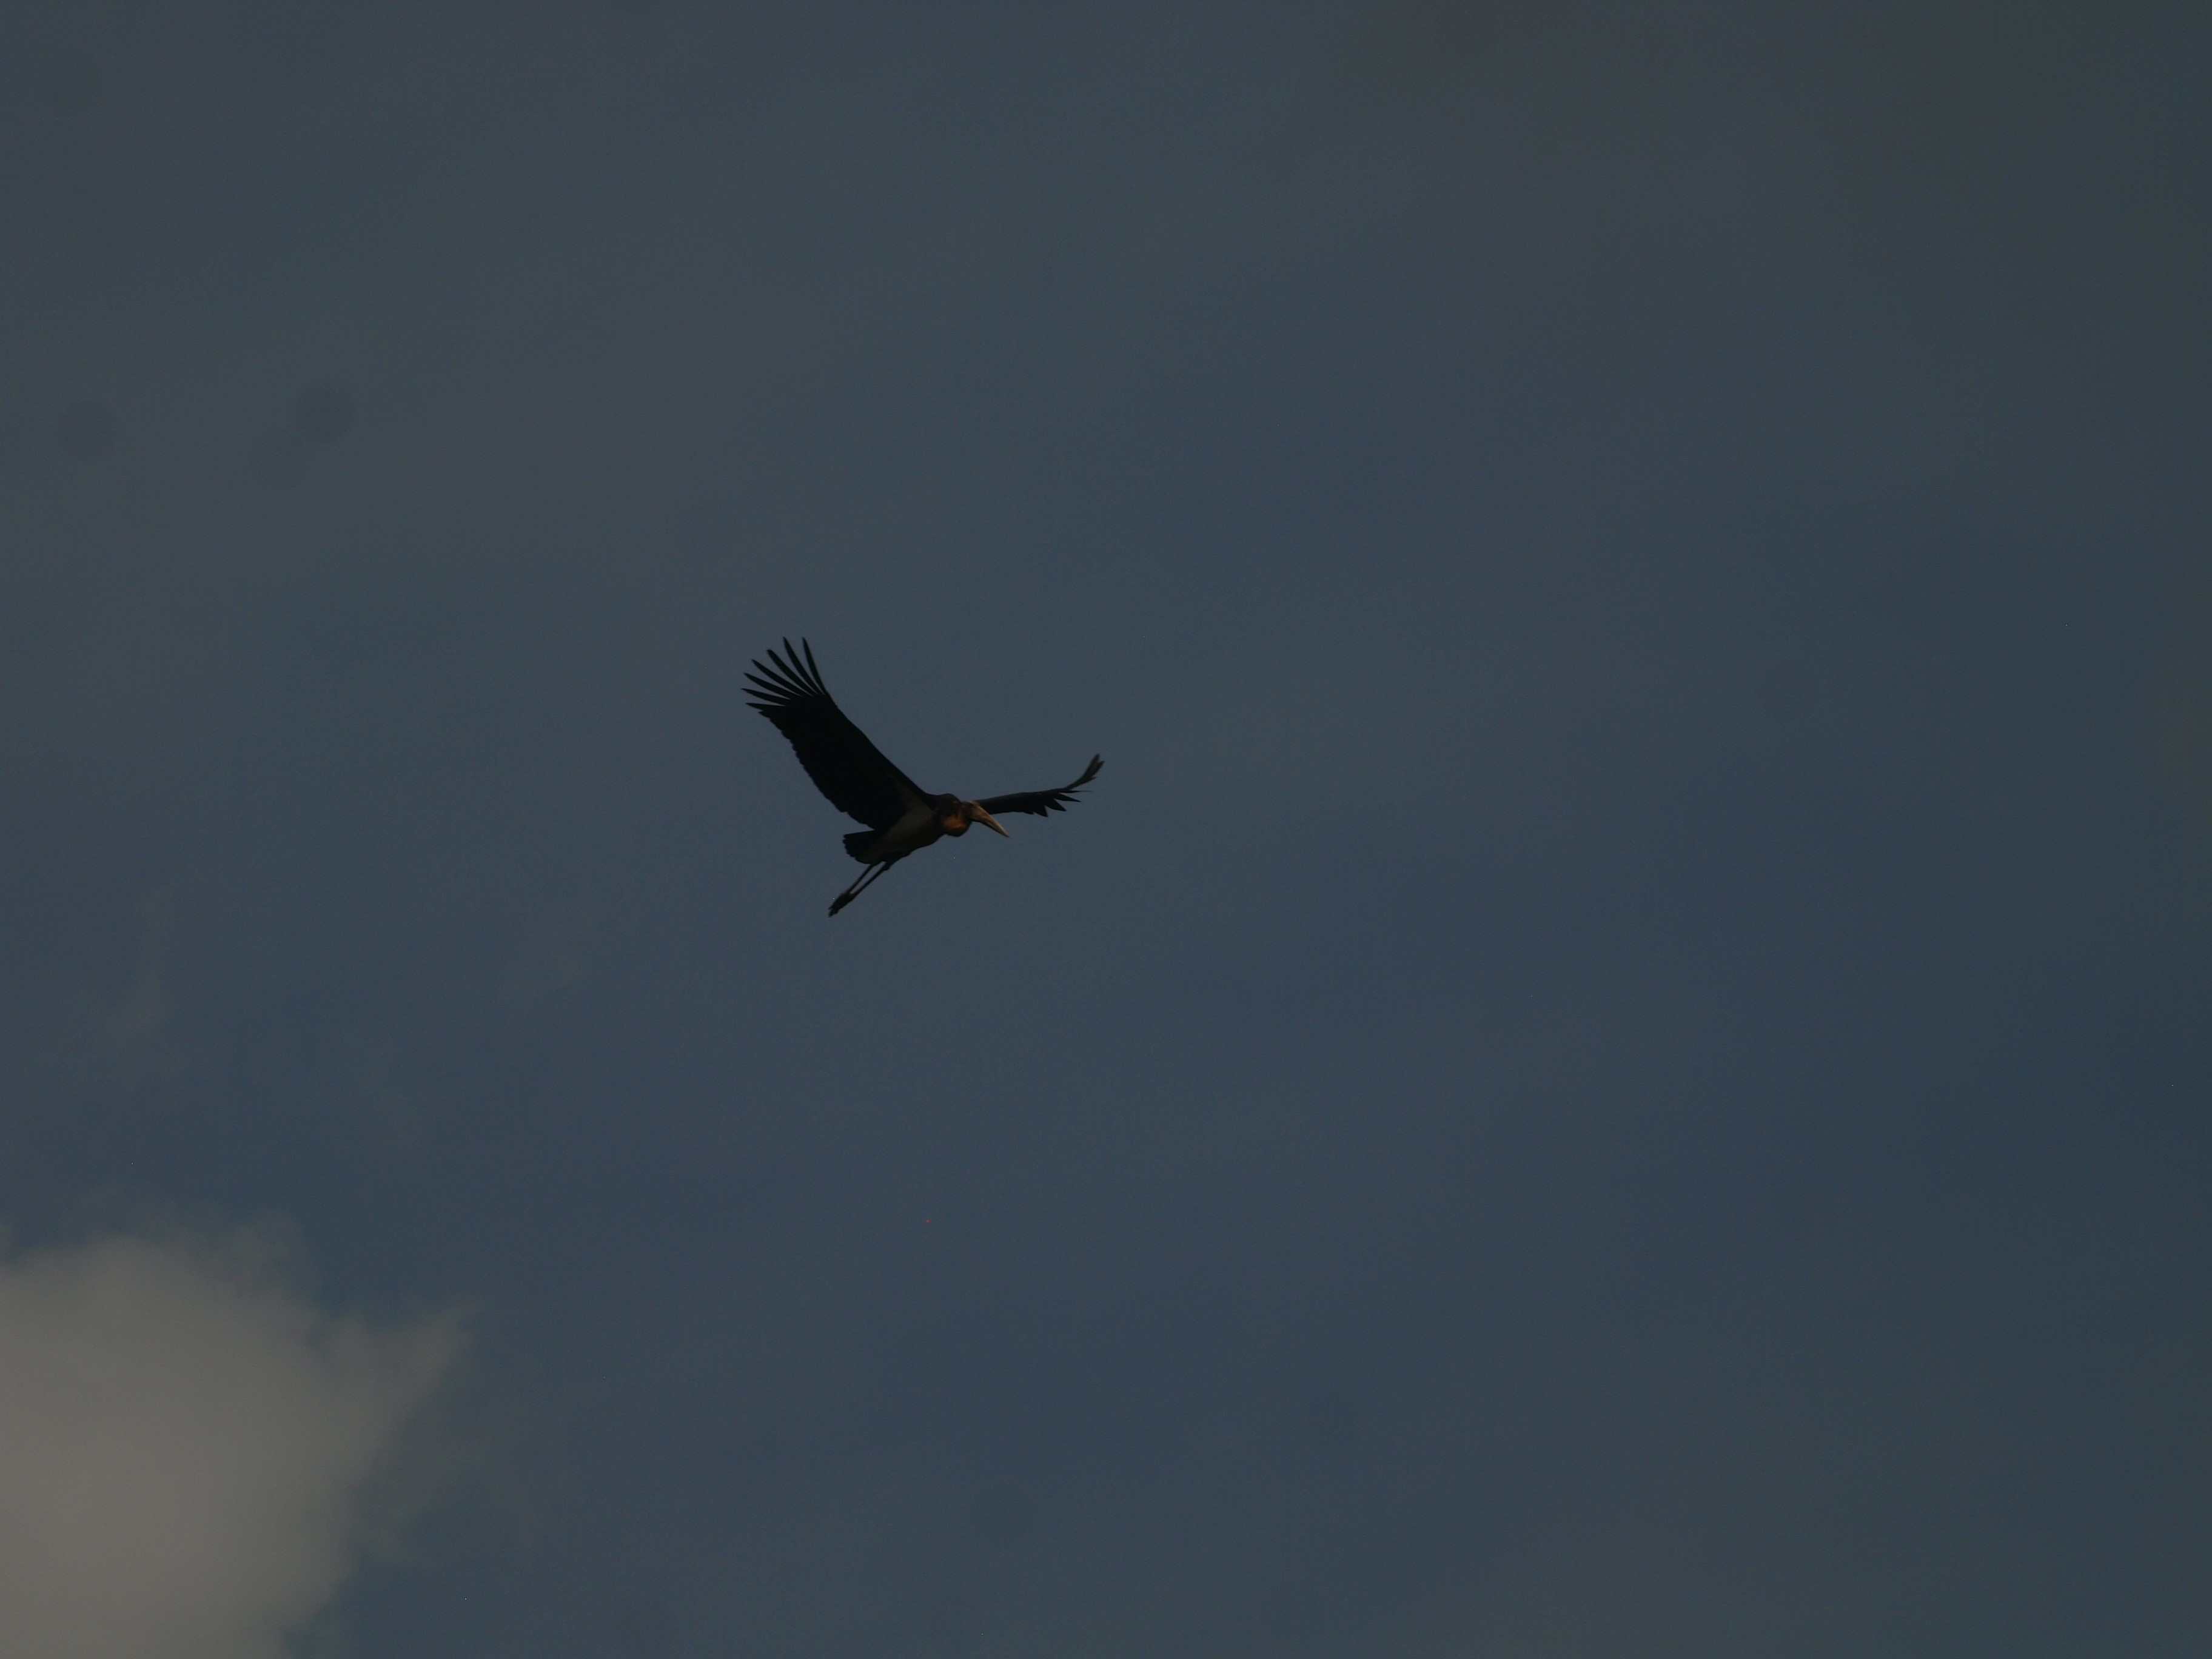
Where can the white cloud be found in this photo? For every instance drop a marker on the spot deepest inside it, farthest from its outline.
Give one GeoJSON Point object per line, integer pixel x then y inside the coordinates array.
{"type": "Point", "coordinates": [182, 1448]}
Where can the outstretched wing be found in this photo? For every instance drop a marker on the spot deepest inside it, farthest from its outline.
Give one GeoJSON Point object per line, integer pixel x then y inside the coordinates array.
{"type": "Point", "coordinates": [1041, 801]}
{"type": "Point", "coordinates": [836, 754]}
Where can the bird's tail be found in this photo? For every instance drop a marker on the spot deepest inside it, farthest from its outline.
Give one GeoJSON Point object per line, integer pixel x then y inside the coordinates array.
{"type": "Point", "coordinates": [856, 841]}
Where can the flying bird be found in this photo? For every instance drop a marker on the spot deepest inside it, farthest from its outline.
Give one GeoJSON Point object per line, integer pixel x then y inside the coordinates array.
{"type": "Point", "coordinates": [901, 817]}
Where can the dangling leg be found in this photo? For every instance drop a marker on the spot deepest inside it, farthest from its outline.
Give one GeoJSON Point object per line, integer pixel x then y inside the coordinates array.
{"type": "Point", "coordinates": [851, 892]}
{"type": "Point", "coordinates": [867, 879]}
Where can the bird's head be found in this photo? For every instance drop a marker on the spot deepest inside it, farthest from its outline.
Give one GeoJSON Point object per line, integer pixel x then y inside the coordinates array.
{"type": "Point", "coordinates": [967, 813]}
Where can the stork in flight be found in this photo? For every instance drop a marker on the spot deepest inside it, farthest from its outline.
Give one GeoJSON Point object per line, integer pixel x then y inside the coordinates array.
{"type": "Point", "coordinates": [861, 784]}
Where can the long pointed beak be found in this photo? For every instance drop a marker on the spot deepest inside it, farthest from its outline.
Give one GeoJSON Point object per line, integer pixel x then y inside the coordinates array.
{"type": "Point", "coordinates": [982, 816]}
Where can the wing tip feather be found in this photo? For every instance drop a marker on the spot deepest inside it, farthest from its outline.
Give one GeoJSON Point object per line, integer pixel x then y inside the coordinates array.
{"type": "Point", "coordinates": [789, 675]}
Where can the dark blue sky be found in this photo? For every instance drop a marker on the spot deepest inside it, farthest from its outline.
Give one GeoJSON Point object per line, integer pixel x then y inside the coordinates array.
{"type": "Point", "coordinates": [1617, 1063]}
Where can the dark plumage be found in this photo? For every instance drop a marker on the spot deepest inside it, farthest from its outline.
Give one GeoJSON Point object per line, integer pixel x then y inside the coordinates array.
{"type": "Point", "coordinates": [901, 817]}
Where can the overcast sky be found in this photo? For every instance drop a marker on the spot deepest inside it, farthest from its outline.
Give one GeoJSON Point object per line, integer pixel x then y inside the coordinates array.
{"type": "Point", "coordinates": [1616, 1064]}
